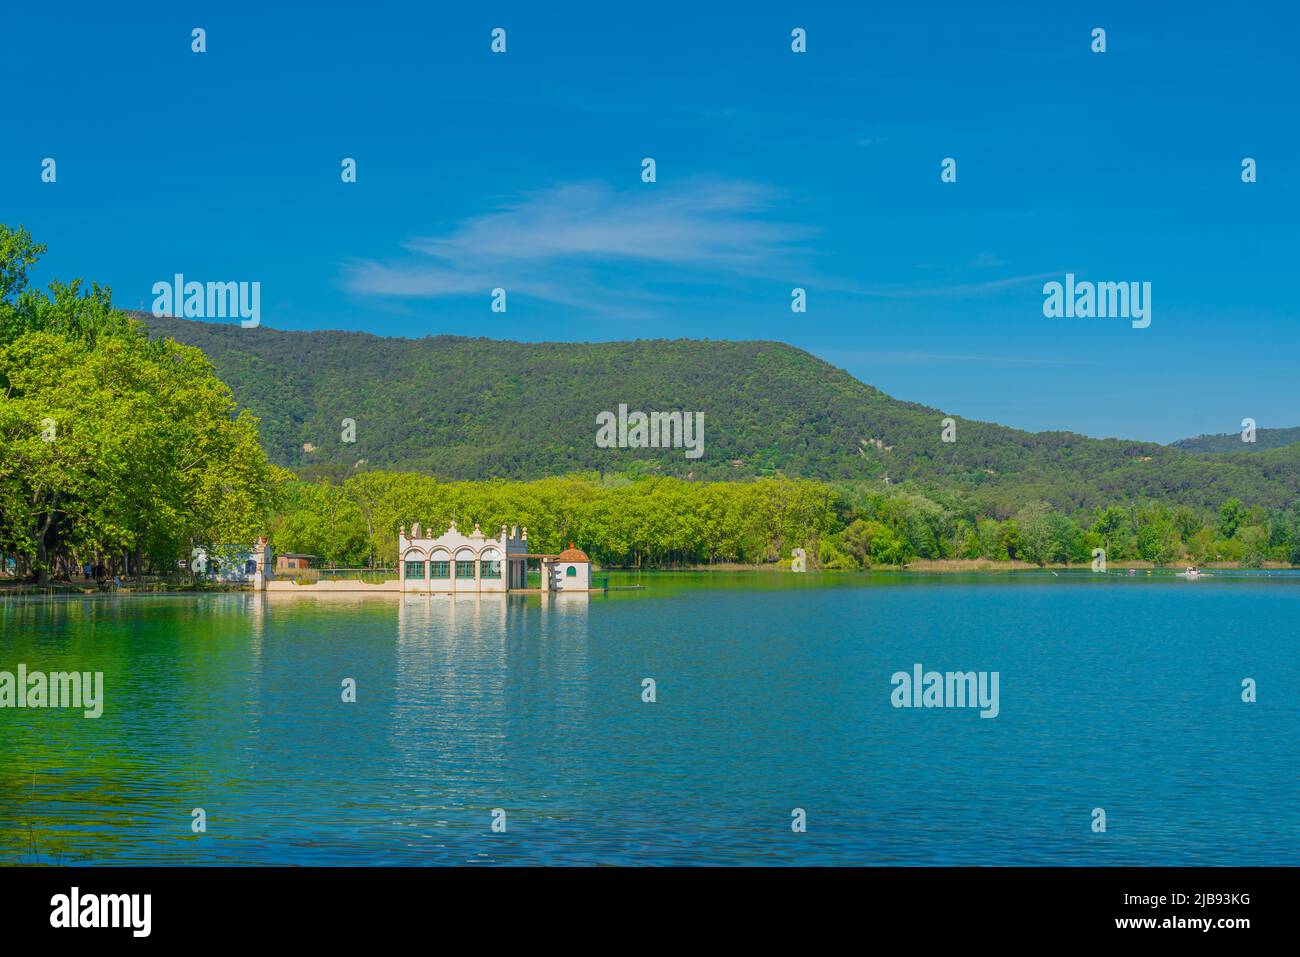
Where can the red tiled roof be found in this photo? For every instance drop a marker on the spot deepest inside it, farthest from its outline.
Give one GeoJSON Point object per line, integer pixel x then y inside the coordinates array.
{"type": "Point", "coordinates": [572, 554]}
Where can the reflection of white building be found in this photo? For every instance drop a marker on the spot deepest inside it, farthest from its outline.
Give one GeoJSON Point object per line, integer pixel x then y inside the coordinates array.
{"type": "Point", "coordinates": [456, 563]}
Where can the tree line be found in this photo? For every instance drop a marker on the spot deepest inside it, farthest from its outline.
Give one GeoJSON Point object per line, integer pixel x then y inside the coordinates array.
{"type": "Point", "coordinates": [664, 521]}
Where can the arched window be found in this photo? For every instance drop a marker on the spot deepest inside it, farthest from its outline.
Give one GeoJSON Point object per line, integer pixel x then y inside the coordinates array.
{"type": "Point", "coordinates": [571, 572]}
{"type": "Point", "coordinates": [490, 564]}
{"type": "Point", "coordinates": [415, 564]}
{"type": "Point", "coordinates": [465, 563]}
{"type": "Point", "coordinates": [440, 564]}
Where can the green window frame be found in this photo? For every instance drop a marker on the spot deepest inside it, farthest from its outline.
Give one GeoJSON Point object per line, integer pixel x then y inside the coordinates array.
{"type": "Point", "coordinates": [489, 568]}
{"type": "Point", "coordinates": [414, 569]}
{"type": "Point", "coordinates": [439, 569]}
{"type": "Point", "coordinates": [465, 569]}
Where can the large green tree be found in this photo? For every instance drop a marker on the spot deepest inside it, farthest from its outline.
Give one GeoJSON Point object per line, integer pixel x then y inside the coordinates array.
{"type": "Point", "coordinates": [110, 442]}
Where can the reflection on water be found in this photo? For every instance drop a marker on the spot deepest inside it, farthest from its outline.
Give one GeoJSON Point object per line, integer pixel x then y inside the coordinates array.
{"type": "Point", "coordinates": [773, 693]}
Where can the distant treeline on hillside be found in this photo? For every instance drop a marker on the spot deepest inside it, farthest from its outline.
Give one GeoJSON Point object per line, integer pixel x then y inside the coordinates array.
{"type": "Point", "coordinates": [1233, 442]}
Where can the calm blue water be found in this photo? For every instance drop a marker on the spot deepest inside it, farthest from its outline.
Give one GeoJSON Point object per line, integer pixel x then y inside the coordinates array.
{"type": "Point", "coordinates": [773, 694]}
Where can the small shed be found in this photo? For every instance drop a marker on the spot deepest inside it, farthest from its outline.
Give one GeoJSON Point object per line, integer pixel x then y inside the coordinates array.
{"type": "Point", "coordinates": [292, 561]}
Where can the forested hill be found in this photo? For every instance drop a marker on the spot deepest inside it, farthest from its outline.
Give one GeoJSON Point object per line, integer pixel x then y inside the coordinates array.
{"type": "Point", "coordinates": [465, 408]}
{"type": "Point", "coordinates": [1231, 441]}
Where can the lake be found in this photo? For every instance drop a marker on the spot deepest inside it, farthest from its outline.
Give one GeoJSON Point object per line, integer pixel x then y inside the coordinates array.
{"type": "Point", "coordinates": [773, 692]}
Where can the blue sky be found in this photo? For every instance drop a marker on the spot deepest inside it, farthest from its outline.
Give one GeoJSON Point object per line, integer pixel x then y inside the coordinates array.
{"type": "Point", "coordinates": [775, 170]}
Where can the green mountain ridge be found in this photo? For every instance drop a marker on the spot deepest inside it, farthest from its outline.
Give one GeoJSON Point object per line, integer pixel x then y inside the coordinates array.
{"type": "Point", "coordinates": [1231, 441]}
{"type": "Point", "coordinates": [476, 408]}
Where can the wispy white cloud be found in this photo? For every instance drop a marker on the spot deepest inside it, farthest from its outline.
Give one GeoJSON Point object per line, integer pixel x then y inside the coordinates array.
{"type": "Point", "coordinates": [590, 246]}
{"type": "Point", "coordinates": [959, 289]}
{"type": "Point", "coordinates": [929, 358]}
{"type": "Point", "coordinates": [550, 243]}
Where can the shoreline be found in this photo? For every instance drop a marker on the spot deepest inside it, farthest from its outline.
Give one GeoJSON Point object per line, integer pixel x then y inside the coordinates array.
{"type": "Point", "coordinates": [961, 565]}
{"type": "Point", "coordinates": [941, 566]}
{"type": "Point", "coordinates": [983, 564]}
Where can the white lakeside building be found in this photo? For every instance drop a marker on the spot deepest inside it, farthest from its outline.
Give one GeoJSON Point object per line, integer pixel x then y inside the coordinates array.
{"type": "Point", "coordinates": [458, 563]}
